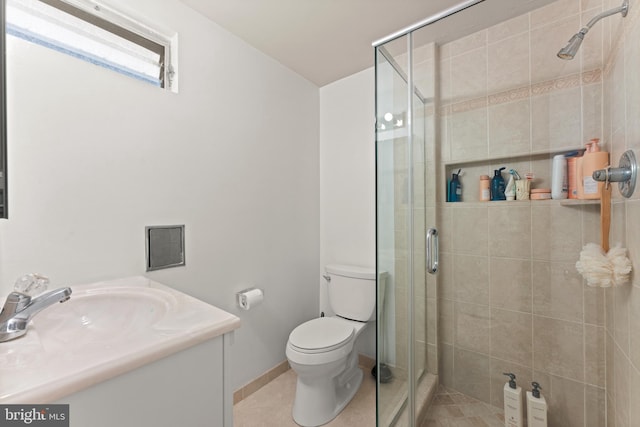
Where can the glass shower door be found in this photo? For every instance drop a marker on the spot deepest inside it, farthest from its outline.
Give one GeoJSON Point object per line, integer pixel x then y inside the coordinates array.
{"type": "Point", "coordinates": [402, 124]}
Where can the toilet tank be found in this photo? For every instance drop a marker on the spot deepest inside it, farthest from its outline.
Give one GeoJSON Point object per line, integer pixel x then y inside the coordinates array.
{"type": "Point", "coordinates": [352, 291]}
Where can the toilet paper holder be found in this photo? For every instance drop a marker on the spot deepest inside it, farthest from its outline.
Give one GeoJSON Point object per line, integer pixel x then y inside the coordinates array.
{"type": "Point", "coordinates": [248, 297]}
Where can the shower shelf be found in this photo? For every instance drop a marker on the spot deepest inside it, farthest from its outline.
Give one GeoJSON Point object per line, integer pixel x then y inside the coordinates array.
{"type": "Point", "coordinates": [504, 160]}
{"type": "Point", "coordinates": [576, 202]}
{"type": "Point", "coordinates": [511, 157]}
{"type": "Point", "coordinates": [550, 202]}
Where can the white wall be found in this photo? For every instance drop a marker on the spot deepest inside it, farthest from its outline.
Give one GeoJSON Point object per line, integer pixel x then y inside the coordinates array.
{"type": "Point", "coordinates": [347, 179]}
{"type": "Point", "coordinates": [94, 157]}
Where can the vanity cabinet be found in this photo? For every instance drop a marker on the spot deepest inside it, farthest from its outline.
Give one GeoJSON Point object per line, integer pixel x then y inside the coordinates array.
{"type": "Point", "coordinates": [187, 388]}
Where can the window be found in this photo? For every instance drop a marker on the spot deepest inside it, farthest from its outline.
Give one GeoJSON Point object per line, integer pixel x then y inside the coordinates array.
{"type": "Point", "coordinates": [96, 34]}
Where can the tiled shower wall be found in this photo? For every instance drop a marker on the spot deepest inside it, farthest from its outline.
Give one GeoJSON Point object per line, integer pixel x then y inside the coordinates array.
{"type": "Point", "coordinates": [622, 129]}
{"type": "Point", "coordinates": [510, 298]}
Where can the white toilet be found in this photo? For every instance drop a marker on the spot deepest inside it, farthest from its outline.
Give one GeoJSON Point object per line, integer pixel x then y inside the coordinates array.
{"type": "Point", "coordinates": [322, 351]}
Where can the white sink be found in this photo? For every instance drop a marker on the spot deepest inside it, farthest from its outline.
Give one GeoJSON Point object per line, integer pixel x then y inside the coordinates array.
{"type": "Point", "coordinates": [104, 330]}
{"type": "Point", "coordinates": [102, 317]}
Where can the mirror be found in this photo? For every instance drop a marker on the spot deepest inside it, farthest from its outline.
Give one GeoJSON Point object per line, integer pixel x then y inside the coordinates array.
{"type": "Point", "coordinates": [3, 113]}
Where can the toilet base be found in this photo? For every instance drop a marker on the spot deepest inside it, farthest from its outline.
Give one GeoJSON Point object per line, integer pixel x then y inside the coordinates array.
{"type": "Point", "coordinates": [320, 403]}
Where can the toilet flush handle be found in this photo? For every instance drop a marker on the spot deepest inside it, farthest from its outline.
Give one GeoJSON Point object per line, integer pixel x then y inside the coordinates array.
{"type": "Point", "coordinates": [326, 277]}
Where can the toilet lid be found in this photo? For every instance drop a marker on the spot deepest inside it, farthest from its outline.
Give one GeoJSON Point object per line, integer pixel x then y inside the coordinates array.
{"type": "Point", "coordinates": [324, 333]}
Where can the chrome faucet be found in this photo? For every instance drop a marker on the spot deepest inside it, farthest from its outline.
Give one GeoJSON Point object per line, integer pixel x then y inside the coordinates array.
{"type": "Point", "coordinates": [19, 308]}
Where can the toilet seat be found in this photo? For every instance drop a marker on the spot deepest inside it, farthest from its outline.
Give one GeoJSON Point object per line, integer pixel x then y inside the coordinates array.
{"type": "Point", "coordinates": [321, 335]}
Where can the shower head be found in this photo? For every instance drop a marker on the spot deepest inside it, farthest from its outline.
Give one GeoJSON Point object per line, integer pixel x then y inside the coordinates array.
{"type": "Point", "coordinates": [570, 50]}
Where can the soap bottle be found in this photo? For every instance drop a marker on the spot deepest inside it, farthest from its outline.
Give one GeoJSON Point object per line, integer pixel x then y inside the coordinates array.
{"type": "Point", "coordinates": [485, 193]}
{"type": "Point", "coordinates": [593, 160]}
{"type": "Point", "coordinates": [455, 188]}
{"type": "Point", "coordinates": [536, 407]}
{"type": "Point", "coordinates": [572, 184]}
{"type": "Point", "coordinates": [559, 184]}
{"type": "Point", "coordinates": [512, 403]}
{"type": "Point", "coordinates": [498, 185]}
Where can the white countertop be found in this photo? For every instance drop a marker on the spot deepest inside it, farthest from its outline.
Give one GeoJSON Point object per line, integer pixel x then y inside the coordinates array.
{"type": "Point", "coordinates": [104, 330]}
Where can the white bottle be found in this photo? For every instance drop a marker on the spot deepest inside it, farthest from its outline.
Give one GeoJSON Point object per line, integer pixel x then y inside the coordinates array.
{"type": "Point", "coordinates": [559, 182]}
{"type": "Point", "coordinates": [512, 403]}
{"type": "Point", "coordinates": [536, 407]}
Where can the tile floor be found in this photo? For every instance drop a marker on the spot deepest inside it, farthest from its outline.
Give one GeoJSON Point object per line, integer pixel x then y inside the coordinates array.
{"type": "Point", "coordinates": [453, 409]}
{"type": "Point", "coordinates": [271, 406]}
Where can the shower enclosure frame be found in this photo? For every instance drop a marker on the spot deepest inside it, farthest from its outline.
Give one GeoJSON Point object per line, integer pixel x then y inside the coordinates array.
{"type": "Point", "coordinates": [410, 405]}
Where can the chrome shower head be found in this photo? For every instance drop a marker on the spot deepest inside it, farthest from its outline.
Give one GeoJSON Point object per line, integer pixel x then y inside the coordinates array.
{"type": "Point", "coordinates": [570, 50]}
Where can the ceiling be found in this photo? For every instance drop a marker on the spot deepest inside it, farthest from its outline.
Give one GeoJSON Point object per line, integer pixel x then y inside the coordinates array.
{"type": "Point", "coordinates": [326, 40]}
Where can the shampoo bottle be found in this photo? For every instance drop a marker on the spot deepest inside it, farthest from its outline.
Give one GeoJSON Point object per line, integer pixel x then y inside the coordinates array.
{"type": "Point", "coordinates": [455, 188]}
{"type": "Point", "coordinates": [498, 185]}
{"type": "Point", "coordinates": [593, 160]}
{"type": "Point", "coordinates": [536, 407]}
{"type": "Point", "coordinates": [512, 403]}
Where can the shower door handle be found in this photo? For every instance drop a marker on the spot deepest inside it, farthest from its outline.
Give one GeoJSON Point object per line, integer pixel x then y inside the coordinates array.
{"type": "Point", "coordinates": [432, 251]}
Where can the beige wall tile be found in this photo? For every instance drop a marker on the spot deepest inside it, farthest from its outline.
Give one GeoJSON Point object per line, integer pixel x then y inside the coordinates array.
{"type": "Point", "coordinates": [472, 327]}
{"type": "Point", "coordinates": [594, 355]}
{"type": "Point", "coordinates": [471, 42]}
{"type": "Point", "coordinates": [611, 412]}
{"type": "Point", "coordinates": [595, 406]}
{"type": "Point", "coordinates": [633, 236]}
{"type": "Point", "coordinates": [610, 379]}
{"type": "Point", "coordinates": [446, 320]}
{"type": "Point", "coordinates": [621, 375]}
{"type": "Point", "coordinates": [554, 11]}
{"type": "Point", "coordinates": [566, 403]}
{"type": "Point", "coordinates": [468, 134]}
{"type": "Point", "coordinates": [471, 277]}
{"type": "Point", "coordinates": [432, 321]}
{"type": "Point", "coordinates": [510, 231]}
{"type": "Point", "coordinates": [509, 128]}
{"type": "Point", "coordinates": [592, 111]}
{"type": "Point", "coordinates": [445, 228]}
{"type": "Point", "coordinates": [621, 298]}
{"type": "Point", "coordinates": [508, 63]}
{"type": "Point", "coordinates": [511, 284]}
{"type": "Point", "coordinates": [634, 396]}
{"type": "Point", "coordinates": [445, 365]}
{"type": "Point", "coordinates": [591, 49]}
{"type": "Point", "coordinates": [634, 325]}
{"type": "Point", "coordinates": [470, 230]}
{"type": "Point", "coordinates": [445, 79]}
{"type": "Point", "coordinates": [618, 97]}
{"type": "Point", "coordinates": [469, 75]}
{"type": "Point", "coordinates": [556, 233]}
{"type": "Point", "coordinates": [510, 28]}
{"type": "Point", "coordinates": [511, 336]}
{"type": "Point", "coordinates": [471, 375]}
{"type": "Point", "coordinates": [594, 312]}
{"type": "Point", "coordinates": [557, 290]}
{"type": "Point", "coordinates": [445, 276]}
{"type": "Point", "coordinates": [545, 65]}
{"type": "Point", "coordinates": [632, 88]}
{"type": "Point", "coordinates": [558, 347]}
{"type": "Point", "coordinates": [608, 303]}
{"type": "Point", "coordinates": [556, 120]}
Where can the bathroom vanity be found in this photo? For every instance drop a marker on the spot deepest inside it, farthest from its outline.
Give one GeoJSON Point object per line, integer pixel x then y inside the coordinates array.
{"type": "Point", "coordinates": [128, 352]}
